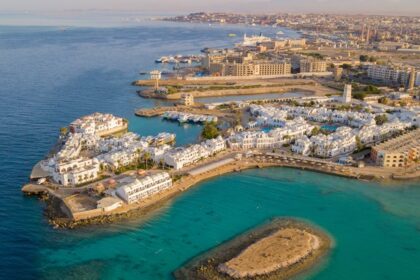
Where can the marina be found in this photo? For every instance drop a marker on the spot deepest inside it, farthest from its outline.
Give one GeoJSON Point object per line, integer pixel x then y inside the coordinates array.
{"type": "Point", "coordinates": [185, 117]}
{"type": "Point", "coordinates": [185, 59]}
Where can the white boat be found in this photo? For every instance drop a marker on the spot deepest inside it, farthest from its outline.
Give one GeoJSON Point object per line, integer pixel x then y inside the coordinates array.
{"type": "Point", "coordinates": [163, 59]}
{"type": "Point", "coordinates": [183, 118]}
{"type": "Point", "coordinates": [254, 40]}
{"type": "Point", "coordinates": [195, 119]}
{"type": "Point", "coordinates": [186, 61]}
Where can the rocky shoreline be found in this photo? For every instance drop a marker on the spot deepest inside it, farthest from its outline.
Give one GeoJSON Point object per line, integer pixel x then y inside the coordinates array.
{"type": "Point", "coordinates": [210, 264]}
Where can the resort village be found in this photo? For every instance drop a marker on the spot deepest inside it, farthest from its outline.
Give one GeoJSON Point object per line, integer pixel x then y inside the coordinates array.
{"type": "Point", "coordinates": [98, 167]}
{"type": "Point", "coordinates": [321, 121]}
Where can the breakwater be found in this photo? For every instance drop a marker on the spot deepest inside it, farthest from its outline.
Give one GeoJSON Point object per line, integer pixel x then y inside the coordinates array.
{"type": "Point", "coordinates": [250, 246]}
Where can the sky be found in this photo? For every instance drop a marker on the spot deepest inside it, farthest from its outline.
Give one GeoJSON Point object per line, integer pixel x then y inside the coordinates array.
{"type": "Point", "coordinates": [393, 7]}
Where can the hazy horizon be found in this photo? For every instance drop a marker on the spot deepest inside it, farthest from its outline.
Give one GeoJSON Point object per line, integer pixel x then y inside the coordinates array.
{"type": "Point", "coordinates": [377, 7]}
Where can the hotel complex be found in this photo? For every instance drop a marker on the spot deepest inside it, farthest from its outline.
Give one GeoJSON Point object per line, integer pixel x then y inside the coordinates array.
{"type": "Point", "coordinates": [147, 186]}
{"type": "Point", "coordinates": [398, 152]}
{"type": "Point", "coordinates": [180, 157]}
{"type": "Point", "coordinates": [84, 154]}
{"type": "Point", "coordinates": [99, 124]}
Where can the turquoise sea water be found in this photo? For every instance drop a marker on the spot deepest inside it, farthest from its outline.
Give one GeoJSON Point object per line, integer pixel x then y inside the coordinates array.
{"type": "Point", "coordinates": [50, 77]}
{"type": "Point", "coordinates": [376, 229]}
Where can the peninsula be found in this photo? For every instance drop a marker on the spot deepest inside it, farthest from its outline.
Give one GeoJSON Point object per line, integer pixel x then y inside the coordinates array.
{"type": "Point", "coordinates": [98, 171]}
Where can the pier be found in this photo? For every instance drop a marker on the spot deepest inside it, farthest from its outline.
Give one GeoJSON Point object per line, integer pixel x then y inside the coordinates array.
{"type": "Point", "coordinates": [196, 110]}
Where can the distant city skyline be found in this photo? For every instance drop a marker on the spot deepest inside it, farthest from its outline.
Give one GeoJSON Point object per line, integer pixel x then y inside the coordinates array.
{"type": "Point", "coordinates": [386, 7]}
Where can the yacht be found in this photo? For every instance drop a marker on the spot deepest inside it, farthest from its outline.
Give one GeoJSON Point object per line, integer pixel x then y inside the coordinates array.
{"type": "Point", "coordinates": [254, 40]}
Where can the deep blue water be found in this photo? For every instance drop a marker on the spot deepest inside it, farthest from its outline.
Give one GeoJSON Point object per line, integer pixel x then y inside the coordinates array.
{"type": "Point", "coordinates": [49, 77]}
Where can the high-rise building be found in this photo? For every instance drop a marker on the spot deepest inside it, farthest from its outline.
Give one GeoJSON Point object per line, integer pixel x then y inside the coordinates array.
{"type": "Point", "coordinates": [388, 74]}
{"type": "Point", "coordinates": [257, 68]}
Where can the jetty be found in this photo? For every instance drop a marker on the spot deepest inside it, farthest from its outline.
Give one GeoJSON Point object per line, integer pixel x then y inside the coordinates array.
{"type": "Point", "coordinates": [191, 110]}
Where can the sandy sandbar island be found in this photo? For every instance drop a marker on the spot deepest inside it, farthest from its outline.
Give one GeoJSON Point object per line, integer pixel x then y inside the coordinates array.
{"type": "Point", "coordinates": [279, 249]}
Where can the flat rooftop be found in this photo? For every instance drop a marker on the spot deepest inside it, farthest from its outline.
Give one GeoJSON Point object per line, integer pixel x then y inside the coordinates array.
{"type": "Point", "coordinates": [401, 143]}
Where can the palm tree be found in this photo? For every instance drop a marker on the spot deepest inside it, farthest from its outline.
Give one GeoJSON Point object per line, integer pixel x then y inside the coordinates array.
{"type": "Point", "coordinates": [162, 163]}
{"type": "Point", "coordinates": [146, 157]}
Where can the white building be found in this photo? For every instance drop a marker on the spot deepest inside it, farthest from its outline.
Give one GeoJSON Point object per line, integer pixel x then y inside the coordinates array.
{"type": "Point", "coordinates": [251, 140]}
{"type": "Point", "coordinates": [388, 74]}
{"type": "Point", "coordinates": [180, 157]}
{"type": "Point", "coordinates": [76, 171]}
{"type": "Point", "coordinates": [290, 130]}
{"type": "Point", "coordinates": [371, 134]}
{"type": "Point", "coordinates": [215, 145]}
{"type": "Point", "coordinates": [302, 146]}
{"type": "Point", "coordinates": [158, 153]}
{"type": "Point", "coordinates": [142, 188]}
{"type": "Point", "coordinates": [343, 141]}
{"type": "Point", "coordinates": [117, 159]}
{"type": "Point", "coordinates": [98, 123]}
{"type": "Point", "coordinates": [347, 94]}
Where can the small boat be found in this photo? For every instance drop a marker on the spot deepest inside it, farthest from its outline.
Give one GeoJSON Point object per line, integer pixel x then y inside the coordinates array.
{"type": "Point", "coordinates": [163, 59]}
{"type": "Point", "coordinates": [172, 60]}
{"type": "Point", "coordinates": [232, 35]}
{"type": "Point", "coordinates": [186, 60]}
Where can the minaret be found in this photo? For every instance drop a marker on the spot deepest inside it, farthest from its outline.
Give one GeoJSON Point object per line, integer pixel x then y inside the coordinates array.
{"type": "Point", "coordinates": [156, 75]}
{"type": "Point", "coordinates": [347, 94]}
